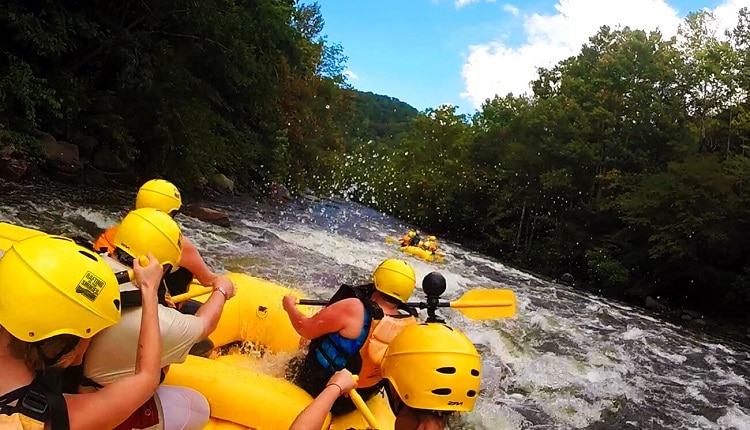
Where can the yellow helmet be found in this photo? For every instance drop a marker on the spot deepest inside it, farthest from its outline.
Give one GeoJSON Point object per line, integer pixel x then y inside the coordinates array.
{"type": "Point", "coordinates": [159, 194]}
{"type": "Point", "coordinates": [50, 286]}
{"type": "Point", "coordinates": [395, 278]}
{"type": "Point", "coordinates": [412, 233]}
{"type": "Point", "coordinates": [150, 230]}
{"type": "Point", "coordinates": [433, 238]}
{"type": "Point", "coordinates": [432, 366]}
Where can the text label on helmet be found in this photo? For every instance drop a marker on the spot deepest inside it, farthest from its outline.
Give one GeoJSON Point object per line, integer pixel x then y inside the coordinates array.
{"type": "Point", "coordinates": [90, 286]}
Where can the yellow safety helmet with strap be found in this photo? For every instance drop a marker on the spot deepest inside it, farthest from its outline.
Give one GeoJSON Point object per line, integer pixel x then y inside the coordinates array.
{"type": "Point", "coordinates": [395, 278]}
{"type": "Point", "coordinates": [432, 366]}
{"type": "Point", "coordinates": [159, 194]}
{"type": "Point", "coordinates": [432, 238]}
{"type": "Point", "coordinates": [412, 233]}
{"type": "Point", "coordinates": [149, 230]}
{"type": "Point", "coordinates": [51, 286]}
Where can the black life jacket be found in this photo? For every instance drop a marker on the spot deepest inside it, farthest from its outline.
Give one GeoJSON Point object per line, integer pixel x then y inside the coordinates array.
{"type": "Point", "coordinates": [41, 400]}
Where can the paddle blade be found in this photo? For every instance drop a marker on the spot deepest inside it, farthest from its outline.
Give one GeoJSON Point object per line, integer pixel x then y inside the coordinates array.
{"type": "Point", "coordinates": [486, 304]}
{"type": "Point", "coordinates": [389, 240]}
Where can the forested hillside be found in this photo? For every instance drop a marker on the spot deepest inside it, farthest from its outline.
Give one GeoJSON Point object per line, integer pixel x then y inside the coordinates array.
{"type": "Point", "coordinates": [627, 166]}
{"type": "Point", "coordinates": [182, 89]}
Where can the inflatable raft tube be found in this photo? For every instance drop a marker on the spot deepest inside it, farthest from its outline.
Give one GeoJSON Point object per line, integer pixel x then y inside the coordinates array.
{"type": "Point", "coordinates": [239, 396]}
{"type": "Point", "coordinates": [422, 253]}
{"type": "Point", "coordinates": [256, 315]}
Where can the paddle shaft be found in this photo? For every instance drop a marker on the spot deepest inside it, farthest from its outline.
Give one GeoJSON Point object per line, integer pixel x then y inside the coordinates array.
{"type": "Point", "coordinates": [314, 302]}
{"type": "Point", "coordinates": [475, 304]}
{"type": "Point", "coordinates": [192, 294]}
{"type": "Point", "coordinates": [362, 407]}
{"type": "Point", "coordinates": [128, 275]}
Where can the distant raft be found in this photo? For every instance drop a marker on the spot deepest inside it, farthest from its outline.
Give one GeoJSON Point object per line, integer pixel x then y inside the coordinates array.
{"type": "Point", "coordinates": [422, 253]}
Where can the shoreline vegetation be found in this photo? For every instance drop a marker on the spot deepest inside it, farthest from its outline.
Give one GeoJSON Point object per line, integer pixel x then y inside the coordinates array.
{"type": "Point", "coordinates": [627, 166]}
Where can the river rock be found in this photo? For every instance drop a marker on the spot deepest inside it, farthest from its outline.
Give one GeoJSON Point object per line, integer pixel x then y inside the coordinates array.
{"type": "Point", "coordinates": [105, 159]}
{"type": "Point", "coordinates": [13, 165]}
{"type": "Point", "coordinates": [61, 156]}
{"type": "Point", "coordinates": [207, 214]}
{"type": "Point", "coordinates": [567, 279]}
{"type": "Point", "coordinates": [279, 193]}
{"type": "Point", "coordinates": [652, 303]}
{"type": "Point", "coordinates": [691, 314]}
{"type": "Point", "coordinates": [222, 184]}
{"type": "Point", "coordinates": [86, 145]}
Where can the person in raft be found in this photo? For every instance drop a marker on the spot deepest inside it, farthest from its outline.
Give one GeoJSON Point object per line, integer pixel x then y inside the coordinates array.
{"type": "Point", "coordinates": [406, 240]}
{"type": "Point", "coordinates": [432, 372]}
{"type": "Point", "coordinates": [353, 331]}
{"type": "Point", "coordinates": [164, 196]}
{"type": "Point", "coordinates": [54, 296]}
{"type": "Point", "coordinates": [109, 357]}
{"type": "Point", "coordinates": [430, 244]}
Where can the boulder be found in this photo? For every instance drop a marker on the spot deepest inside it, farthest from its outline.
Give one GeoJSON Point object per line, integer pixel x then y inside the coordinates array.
{"type": "Point", "coordinates": [105, 159]}
{"type": "Point", "coordinates": [61, 156]}
{"type": "Point", "coordinates": [567, 279]}
{"type": "Point", "coordinates": [207, 214]}
{"type": "Point", "coordinates": [652, 303]}
{"type": "Point", "coordinates": [222, 184]}
{"type": "Point", "coordinates": [86, 145]}
{"type": "Point", "coordinates": [279, 193]}
{"type": "Point", "coordinates": [13, 165]}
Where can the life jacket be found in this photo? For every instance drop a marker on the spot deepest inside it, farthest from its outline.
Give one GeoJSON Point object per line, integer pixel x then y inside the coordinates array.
{"type": "Point", "coordinates": [334, 352]}
{"type": "Point", "coordinates": [405, 240]}
{"type": "Point", "coordinates": [415, 241]}
{"type": "Point", "coordinates": [377, 333]}
{"type": "Point", "coordinates": [380, 336]}
{"type": "Point", "coordinates": [36, 404]}
{"type": "Point", "coordinates": [106, 241]}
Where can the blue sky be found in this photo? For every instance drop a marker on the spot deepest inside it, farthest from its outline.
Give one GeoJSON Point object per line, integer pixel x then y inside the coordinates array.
{"type": "Point", "coordinates": [430, 52]}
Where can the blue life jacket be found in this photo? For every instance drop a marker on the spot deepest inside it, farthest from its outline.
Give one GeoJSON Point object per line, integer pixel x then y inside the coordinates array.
{"type": "Point", "coordinates": [334, 352]}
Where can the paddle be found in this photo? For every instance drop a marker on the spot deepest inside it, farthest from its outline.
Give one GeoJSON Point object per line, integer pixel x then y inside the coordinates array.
{"type": "Point", "coordinates": [192, 294]}
{"type": "Point", "coordinates": [362, 406]}
{"type": "Point", "coordinates": [482, 304]}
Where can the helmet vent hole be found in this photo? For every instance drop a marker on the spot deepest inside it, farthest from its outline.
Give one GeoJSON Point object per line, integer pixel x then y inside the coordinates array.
{"type": "Point", "coordinates": [87, 255]}
{"type": "Point", "coordinates": [447, 370]}
{"type": "Point", "coordinates": [117, 304]}
{"type": "Point", "coordinates": [88, 330]}
{"type": "Point", "coordinates": [471, 393]}
{"type": "Point", "coordinates": [31, 334]}
{"type": "Point", "coordinates": [442, 391]}
{"type": "Point", "coordinates": [474, 372]}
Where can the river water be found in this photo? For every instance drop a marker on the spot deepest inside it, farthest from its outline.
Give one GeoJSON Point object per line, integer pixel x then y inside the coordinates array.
{"type": "Point", "coordinates": [567, 360]}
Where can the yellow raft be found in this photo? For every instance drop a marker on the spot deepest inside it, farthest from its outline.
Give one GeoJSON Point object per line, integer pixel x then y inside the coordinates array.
{"type": "Point", "coordinates": [240, 397]}
{"type": "Point", "coordinates": [422, 253]}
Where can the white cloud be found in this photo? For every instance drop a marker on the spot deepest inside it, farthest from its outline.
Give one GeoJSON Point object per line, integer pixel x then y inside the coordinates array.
{"type": "Point", "coordinates": [510, 9]}
{"type": "Point", "coordinates": [351, 75]}
{"type": "Point", "coordinates": [462, 3]}
{"type": "Point", "coordinates": [496, 68]}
